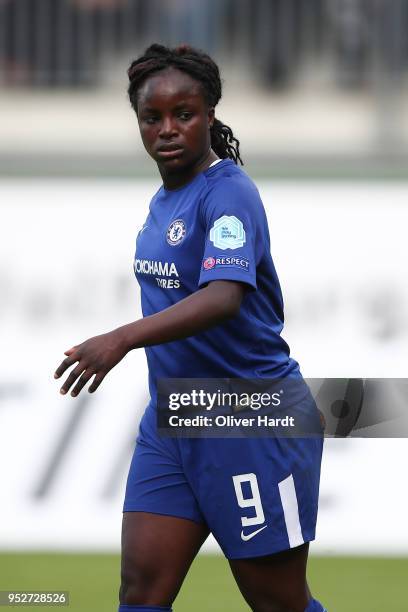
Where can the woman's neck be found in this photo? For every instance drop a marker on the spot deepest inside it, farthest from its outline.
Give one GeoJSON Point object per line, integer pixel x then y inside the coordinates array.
{"type": "Point", "coordinates": [179, 179]}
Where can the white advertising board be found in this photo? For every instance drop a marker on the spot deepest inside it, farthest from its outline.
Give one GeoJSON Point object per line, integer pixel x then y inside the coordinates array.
{"type": "Point", "coordinates": [66, 251]}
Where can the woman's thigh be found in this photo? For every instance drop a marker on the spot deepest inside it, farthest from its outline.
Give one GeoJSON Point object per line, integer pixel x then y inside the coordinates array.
{"type": "Point", "coordinates": [274, 583]}
{"type": "Point", "coordinates": [157, 551]}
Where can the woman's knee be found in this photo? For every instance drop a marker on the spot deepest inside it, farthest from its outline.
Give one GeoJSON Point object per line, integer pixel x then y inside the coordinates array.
{"type": "Point", "coordinates": [150, 575]}
{"type": "Point", "coordinates": [261, 604]}
{"type": "Point", "coordinates": [143, 582]}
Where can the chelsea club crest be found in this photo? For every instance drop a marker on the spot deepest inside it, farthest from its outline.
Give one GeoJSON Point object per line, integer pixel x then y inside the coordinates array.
{"type": "Point", "coordinates": [176, 232]}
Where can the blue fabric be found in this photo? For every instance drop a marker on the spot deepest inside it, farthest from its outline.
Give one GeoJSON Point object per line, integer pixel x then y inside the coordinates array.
{"type": "Point", "coordinates": [315, 606]}
{"type": "Point", "coordinates": [126, 608]}
{"type": "Point", "coordinates": [193, 478]}
{"type": "Point", "coordinates": [213, 228]}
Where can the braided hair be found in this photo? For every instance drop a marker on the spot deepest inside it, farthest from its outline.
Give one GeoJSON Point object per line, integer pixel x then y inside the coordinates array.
{"type": "Point", "coordinates": [203, 69]}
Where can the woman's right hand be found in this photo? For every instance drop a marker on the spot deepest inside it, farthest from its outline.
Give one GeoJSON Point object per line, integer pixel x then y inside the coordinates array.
{"type": "Point", "coordinates": [95, 357]}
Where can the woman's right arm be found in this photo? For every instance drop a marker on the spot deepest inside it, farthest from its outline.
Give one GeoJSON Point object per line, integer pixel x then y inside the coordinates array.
{"type": "Point", "coordinates": [207, 307]}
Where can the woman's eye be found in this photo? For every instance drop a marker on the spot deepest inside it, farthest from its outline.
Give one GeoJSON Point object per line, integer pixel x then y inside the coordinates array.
{"type": "Point", "coordinates": [150, 120]}
{"type": "Point", "coordinates": [185, 116]}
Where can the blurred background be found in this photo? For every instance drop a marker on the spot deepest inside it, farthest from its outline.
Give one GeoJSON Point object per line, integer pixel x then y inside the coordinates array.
{"type": "Point", "coordinates": [317, 93]}
{"type": "Point", "coordinates": [312, 85]}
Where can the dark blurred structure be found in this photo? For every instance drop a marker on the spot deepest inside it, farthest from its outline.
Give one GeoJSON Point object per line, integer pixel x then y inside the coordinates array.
{"type": "Point", "coordinates": [56, 43]}
{"type": "Point", "coordinates": [369, 36]}
{"type": "Point", "coordinates": [59, 43]}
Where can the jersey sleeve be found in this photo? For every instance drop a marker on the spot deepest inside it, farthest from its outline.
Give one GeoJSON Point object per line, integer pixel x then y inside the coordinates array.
{"type": "Point", "coordinates": [233, 216]}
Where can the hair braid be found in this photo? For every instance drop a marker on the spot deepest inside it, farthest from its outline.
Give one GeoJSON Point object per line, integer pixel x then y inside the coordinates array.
{"type": "Point", "coordinates": [200, 67]}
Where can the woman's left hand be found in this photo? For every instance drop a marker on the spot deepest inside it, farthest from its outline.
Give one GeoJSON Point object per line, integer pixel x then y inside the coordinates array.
{"type": "Point", "coordinates": [95, 357]}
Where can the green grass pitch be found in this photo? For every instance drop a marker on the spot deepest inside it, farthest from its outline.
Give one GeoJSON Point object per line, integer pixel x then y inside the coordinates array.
{"type": "Point", "coordinates": [343, 584]}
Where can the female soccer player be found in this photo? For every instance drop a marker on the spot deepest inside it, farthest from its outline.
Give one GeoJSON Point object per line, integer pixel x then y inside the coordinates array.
{"type": "Point", "coordinates": [212, 308]}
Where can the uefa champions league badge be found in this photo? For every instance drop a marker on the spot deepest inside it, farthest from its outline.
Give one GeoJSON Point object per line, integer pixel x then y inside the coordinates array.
{"type": "Point", "coordinates": [208, 263]}
{"type": "Point", "coordinates": [228, 233]}
{"type": "Point", "coordinates": [176, 232]}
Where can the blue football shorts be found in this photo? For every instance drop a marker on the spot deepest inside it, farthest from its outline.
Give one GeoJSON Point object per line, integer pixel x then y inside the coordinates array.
{"type": "Point", "coordinates": [256, 495]}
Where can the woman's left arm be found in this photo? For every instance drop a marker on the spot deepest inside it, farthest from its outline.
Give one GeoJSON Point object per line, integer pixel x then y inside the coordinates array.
{"type": "Point", "coordinates": [207, 307]}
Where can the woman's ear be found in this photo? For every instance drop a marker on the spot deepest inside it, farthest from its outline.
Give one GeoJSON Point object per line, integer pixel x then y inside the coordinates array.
{"type": "Point", "coordinates": [211, 116]}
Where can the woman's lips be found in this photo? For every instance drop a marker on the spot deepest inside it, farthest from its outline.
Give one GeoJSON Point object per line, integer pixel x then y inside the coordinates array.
{"type": "Point", "coordinates": [169, 153]}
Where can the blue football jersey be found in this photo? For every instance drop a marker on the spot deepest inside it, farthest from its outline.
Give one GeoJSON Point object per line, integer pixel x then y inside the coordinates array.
{"type": "Point", "coordinates": [213, 228]}
{"type": "Point", "coordinates": [257, 495]}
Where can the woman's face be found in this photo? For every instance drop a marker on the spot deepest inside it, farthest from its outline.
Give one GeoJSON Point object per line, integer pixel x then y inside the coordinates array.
{"type": "Point", "coordinates": [174, 120]}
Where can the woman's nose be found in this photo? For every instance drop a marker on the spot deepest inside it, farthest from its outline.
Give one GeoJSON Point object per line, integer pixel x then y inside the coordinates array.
{"type": "Point", "coordinates": [167, 127]}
